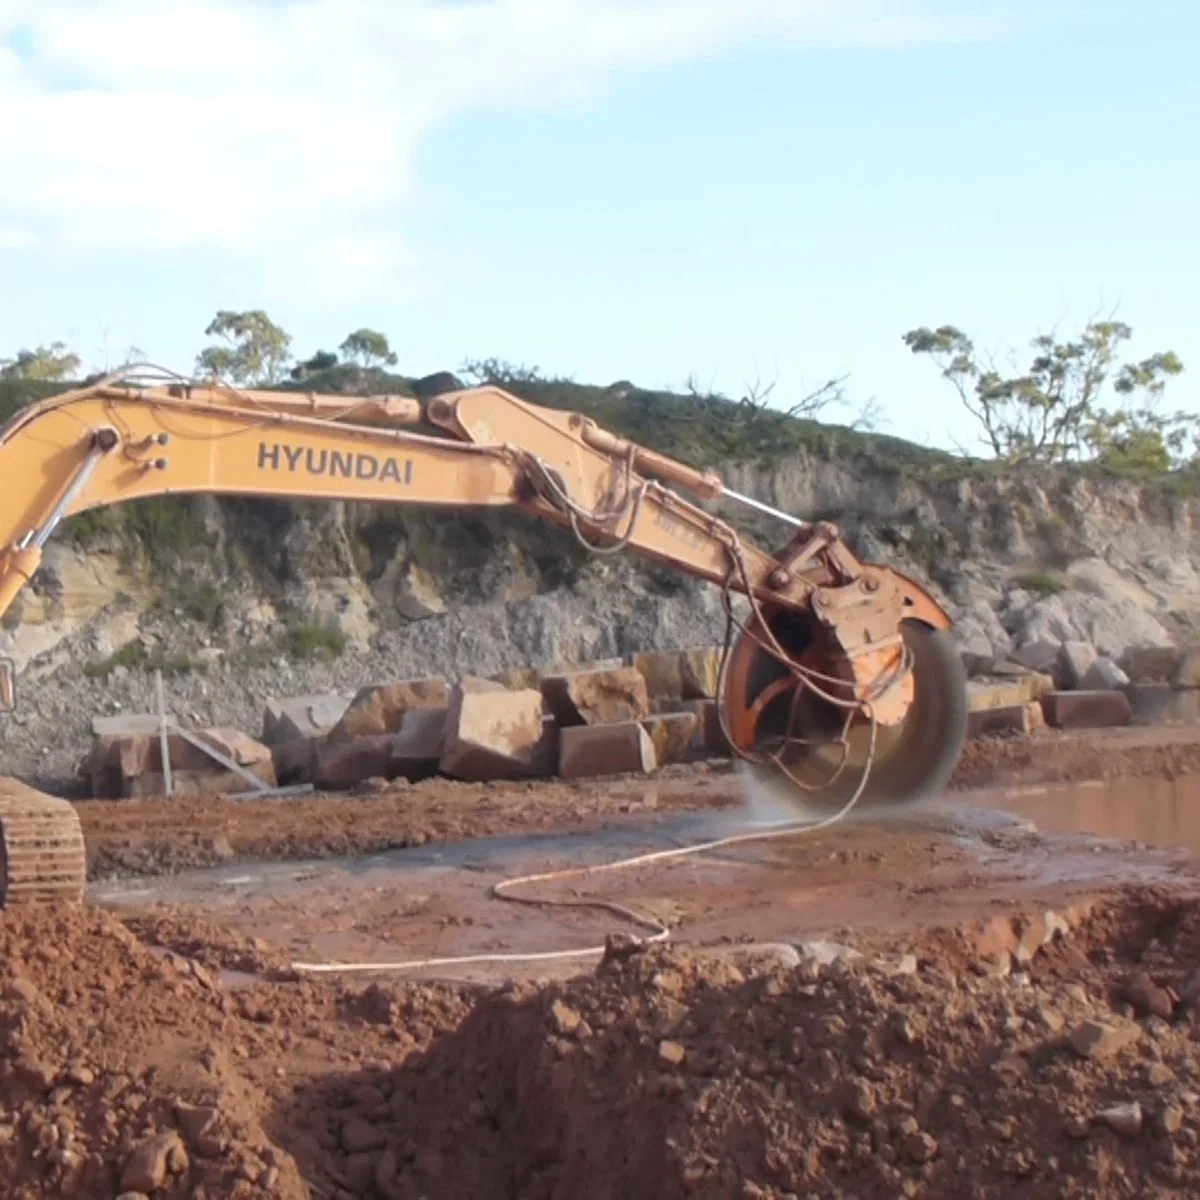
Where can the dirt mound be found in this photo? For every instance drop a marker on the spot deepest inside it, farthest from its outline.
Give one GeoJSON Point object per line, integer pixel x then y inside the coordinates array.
{"type": "Point", "coordinates": [670, 1075]}
{"type": "Point", "coordinates": [1000, 1058]}
{"type": "Point", "coordinates": [114, 1073]}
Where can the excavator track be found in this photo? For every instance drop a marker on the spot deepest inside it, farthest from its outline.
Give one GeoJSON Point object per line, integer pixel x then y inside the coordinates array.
{"type": "Point", "coordinates": [42, 855]}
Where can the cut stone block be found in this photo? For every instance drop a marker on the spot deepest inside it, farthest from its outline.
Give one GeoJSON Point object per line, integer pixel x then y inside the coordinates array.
{"type": "Point", "coordinates": [1007, 693]}
{"type": "Point", "coordinates": [517, 679]}
{"type": "Point", "coordinates": [124, 725]}
{"type": "Point", "coordinates": [344, 763]}
{"type": "Point", "coordinates": [1086, 710]}
{"type": "Point", "coordinates": [700, 672]}
{"type": "Point", "coordinates": [218, 782]}
{"type": "Point", "coordinates": [295, 762]}
{"type": "Point", "coordinates": [492, 733]}
{"type": "Point", "coordinates": [297, 717]}
{"type": "Point", "coordinates": [663, 672]}
{"type": "Point", "coordinates": [1034, 716]}
{"type": "Point", "coordinates": [1102, 676]}
{"type": "Point", "coordinates": [603, 697]}
{"type": "Point", "coordinates": [674, 736]}
{"type": "Point", "coordinates": [1075, 661]}
{"type": "Point", "coordinates": [595, 750]}
{"type": "Point", "coordinates": [710, 740]}
{"type": "Point", "coordinates": [380, 708]}
{"type": "Point", "coordinates": [1187, 670]}
{"type": "Point", "coordinates": [1150, 664]}
{"type": "Point", "coordinates": [417, 748]}
{"type": "Point", "coordinates": [1163, 704]}
{"type": "Point", "coordinates": [116, 760]}
{"type": "Point", "coordinates": [996, 722]}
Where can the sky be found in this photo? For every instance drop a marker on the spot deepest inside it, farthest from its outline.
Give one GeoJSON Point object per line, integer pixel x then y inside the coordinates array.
{"type": "Point", "coordinates": [727, 190]}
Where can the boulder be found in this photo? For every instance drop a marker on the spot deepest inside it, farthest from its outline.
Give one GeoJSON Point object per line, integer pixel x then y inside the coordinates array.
{"type": "Point", "coordinates": [299, 717]}
{"type": "Point", "coordinates": [674, 736]}
{"type": "Point", "coordinates": [216, 782]}
{"type": "Point", "coordinates": [492, 733]}
{"type": "Point", "coordinates": [343, 763]}
{"type": "Point", "coordinates": [1042, 657]}
{"type": "Point", "coordinates": [295, 762]}
{"type": "Point", "coordinates": [600, 697]}
{"type": "Point", "coordinates": [1113, 625]}
{"type": "Point", "coordinates": [380, 708]}
{"type": "Point", "coordinates": [1086, 710]}
{"type": "Point", "coordinates": [1103, 675]}
{"type": "Point", "coordinates": [596, 750]}
{"type": "Point", "coordinates": [417, 747]}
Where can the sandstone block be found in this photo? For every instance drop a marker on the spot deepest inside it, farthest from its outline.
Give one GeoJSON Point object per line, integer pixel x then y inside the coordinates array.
{"type": "Point", "coordinates": [1034, 716]}
{"type": "Point", "coordinates": [214, 782]}
{"type": "Point", "coordinates": [1163, 704]}
{"type": "Point", "coordinates": [663, 672]}
{"type": "Point", "coordinates": [602, 697]}
{"type": "Point", "coordinates": [297, 717]}
{"type": "Point", "coordinates": [674, 736]}
{"type": "Point", "coordinates": [1075, 660]}
{"type": "Point", "coordinates": [517, 679]}
{"type": "Point", "coordinates": [1042, 657]}
{"type": "Point", "coordinates": [1187, 670]}
{"type": "Point", "coordinates": [700, 671]}
{"type": "Point", "coordinates": [295, 762]}
{"type": "Point", "coordinates": [1007, 693]}
{"type": "Point", "coordinates": [1086, 710]}
{"type": "Point", "coordinates": [492, 733]}
{"type": "Point", "coordinates": [380, 708]}
{"type": "Point", "coordinates": [1103, 675]}
{"type": "Point", "coordinates": [344, 763]}
{"type": "Point", "coordinates": [1150, 664]}
{"type": "Point", "coordinates": [996, 722]}
{"type": "Point", "coordinates": [594, 750]}
{"type": "Point", "coordinates": [124, 725]}
{"type": "Point", "coordinates": [417, 748]}
{"type": "Point", "coordinates": [710, 738]}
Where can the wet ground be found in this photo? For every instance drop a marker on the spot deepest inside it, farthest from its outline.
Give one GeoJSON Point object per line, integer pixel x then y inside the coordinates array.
{"type": "Point", "coordinates": [968, 855]}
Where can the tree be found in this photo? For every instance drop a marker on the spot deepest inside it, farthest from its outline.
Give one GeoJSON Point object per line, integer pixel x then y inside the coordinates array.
{"type": "Point", "coordinates": [323, 360]}
{"type": "Point", "coordinates": [256, 351]}
{"type": "Point", "coordinates": [46, 364]}
{"type": "Point", "coordinates": [1054, 411]}
{"type": "Point", "coordinates": [368, 348]}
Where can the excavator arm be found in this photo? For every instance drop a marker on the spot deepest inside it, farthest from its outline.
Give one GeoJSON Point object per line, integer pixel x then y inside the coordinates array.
{"type": "Point", "coordinates": [843, 673]}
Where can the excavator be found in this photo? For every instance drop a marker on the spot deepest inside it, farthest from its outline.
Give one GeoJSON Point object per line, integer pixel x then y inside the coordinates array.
{"type": "Point", "coordinates": [840, 675]}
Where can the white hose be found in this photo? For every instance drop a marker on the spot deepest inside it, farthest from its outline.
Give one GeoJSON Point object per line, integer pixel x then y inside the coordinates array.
{"type": "Point", "coordinates": [660, 933]}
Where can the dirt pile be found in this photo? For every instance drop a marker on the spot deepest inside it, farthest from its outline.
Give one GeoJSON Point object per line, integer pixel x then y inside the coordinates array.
{"type": "Point", "coordinates": [114, 1071]}
{"type": "Point", "coordinates": [1058, 1065]}
{"type": "Point", "coordinates": [670, 1075]}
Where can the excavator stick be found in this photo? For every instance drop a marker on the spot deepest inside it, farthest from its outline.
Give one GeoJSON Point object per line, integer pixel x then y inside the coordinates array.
{"type": "Point", "coordinates": [839, 673]}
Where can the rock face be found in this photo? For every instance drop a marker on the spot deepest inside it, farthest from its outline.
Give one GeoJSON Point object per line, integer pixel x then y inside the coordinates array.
{"type": "Point", "coordinates": [494, 733]}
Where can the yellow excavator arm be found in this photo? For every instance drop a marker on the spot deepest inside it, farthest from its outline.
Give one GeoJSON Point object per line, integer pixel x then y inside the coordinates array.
{"type": "Point", "coordinates": [835, 662]}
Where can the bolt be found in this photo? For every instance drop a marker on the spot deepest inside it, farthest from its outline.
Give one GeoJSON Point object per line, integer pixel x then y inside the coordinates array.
{"type": "Point", "coordinates": [870, 583]}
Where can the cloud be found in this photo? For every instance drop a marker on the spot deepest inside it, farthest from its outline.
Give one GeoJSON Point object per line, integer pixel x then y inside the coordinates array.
{"type": "Point", "coordinates": [284, 134]}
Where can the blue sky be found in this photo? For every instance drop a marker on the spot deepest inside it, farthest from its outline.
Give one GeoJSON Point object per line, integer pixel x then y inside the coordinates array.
{"type": "Point", "coordinates": [723, 190]}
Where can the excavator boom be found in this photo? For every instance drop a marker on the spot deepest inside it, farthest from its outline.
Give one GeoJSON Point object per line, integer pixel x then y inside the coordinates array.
{"type": "Point", "coordinates": [829, 645]}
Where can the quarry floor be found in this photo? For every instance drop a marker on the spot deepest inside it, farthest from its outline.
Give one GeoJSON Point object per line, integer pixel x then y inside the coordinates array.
{"type": "Point", "coordinates": [188, 979]}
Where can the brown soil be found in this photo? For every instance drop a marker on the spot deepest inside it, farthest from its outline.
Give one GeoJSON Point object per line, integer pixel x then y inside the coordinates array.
{"type": "Point", "coordinates": [660, 1074]}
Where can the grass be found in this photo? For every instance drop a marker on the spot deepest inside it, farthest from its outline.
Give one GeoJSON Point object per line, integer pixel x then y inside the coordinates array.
{"type": "Point", "coordinates": [1042, 583]}
{"type": "Point", "coordinates": [314, 641]}
{"type": "Point", "coordinates": [136, 657]}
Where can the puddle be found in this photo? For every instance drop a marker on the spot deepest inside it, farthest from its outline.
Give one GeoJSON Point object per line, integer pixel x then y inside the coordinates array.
{"type": "Point", "coordinates": [1164, 813]}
